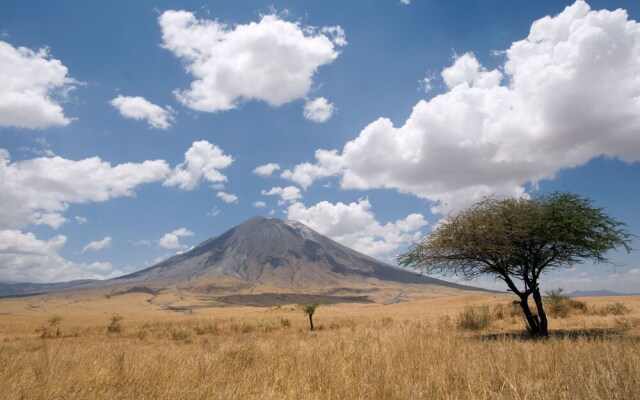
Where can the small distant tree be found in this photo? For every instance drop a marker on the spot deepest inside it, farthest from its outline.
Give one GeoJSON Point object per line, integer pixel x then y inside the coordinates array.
{"type": "Point", "coordinates": [516, 240]}
{"type": "Point", "coordinates": [309, 309]}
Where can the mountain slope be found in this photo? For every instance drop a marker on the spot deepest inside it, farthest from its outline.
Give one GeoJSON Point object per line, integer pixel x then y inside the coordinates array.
{"type": "Point", "coordinates": [267, 261]}
{"type": "Point", "coordinates": [279, 253]}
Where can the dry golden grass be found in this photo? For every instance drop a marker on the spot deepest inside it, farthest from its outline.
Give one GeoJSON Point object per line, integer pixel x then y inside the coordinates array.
{"type": "Point", "coordinates": [411, 350]}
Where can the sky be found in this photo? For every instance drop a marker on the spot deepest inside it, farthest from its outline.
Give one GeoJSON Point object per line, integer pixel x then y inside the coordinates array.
{"type": "Point", "coordinates": [132, 131]}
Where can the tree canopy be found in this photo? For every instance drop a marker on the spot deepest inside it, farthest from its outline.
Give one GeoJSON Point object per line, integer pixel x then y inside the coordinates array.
{"type": "Point", "coordinates": [516, 240]}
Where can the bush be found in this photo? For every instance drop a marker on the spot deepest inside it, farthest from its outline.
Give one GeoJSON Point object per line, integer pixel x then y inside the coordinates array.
{"type": "Point", "coordinates": [560, 306]}
{"type": "Point", "coordinates": [209, 327]}
{"type": "Point", "coordinates": [613, 309]}
{"type": "Point", "coordinates": [179, 333]}
{"type": "Point", "coordinates": [474, 318]}
{"type": "Point", "coordinates": [505, 311]}
{"type": "Point", "coordinates": [285, 322]}
{"type": "Point", "coordinates": [114, 326]}
{"type": "Point", "coordinates": [52, 330]}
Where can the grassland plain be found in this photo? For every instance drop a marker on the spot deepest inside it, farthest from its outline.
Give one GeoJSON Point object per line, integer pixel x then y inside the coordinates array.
{"type": "Point", "coordinates": [413, 350]}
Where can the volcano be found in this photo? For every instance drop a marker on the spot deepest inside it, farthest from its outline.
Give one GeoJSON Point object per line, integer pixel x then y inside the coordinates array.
{"type": "Point", "coordinates": [270, 261]}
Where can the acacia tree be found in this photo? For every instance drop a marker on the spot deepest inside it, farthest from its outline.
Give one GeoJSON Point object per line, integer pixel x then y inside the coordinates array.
{"type": "Point", "coordinates": [309, 309]}
{"type": "Point", "coordinates": [516, 240]}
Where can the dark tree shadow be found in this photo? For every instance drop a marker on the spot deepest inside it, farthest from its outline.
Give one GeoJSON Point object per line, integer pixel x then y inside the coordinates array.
{"type": "Point", "coordinates": [571, 334]}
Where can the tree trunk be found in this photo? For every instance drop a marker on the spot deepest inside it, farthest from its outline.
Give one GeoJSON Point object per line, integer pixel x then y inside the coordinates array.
{"type": "Point", "coordinates": [541, 314]}
{"type": "Point", "coordinates": [311, 321]}
{"type": "Point", "coordinates": [534, 323]}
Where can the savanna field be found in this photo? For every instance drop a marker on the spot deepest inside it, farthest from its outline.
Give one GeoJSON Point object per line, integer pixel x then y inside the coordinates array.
{"type": "Point", "coordinates": [459, 347]}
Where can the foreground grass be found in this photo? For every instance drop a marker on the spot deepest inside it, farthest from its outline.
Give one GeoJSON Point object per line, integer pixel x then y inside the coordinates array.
{"type": "Point", "coordinates": [272, 355]}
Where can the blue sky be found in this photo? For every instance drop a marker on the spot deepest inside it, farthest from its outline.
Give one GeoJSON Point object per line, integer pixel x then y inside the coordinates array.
{"type": "Point", "coordinates": [134, 130]}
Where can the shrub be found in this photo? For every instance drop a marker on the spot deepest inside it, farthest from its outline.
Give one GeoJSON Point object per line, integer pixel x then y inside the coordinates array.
{"type": "Point", "coordinates": [142, 333]}
{"type": "Point", "coordinates": [285, 322]}
{"type": "Point", "coordinates": [560, 306]}
{"type": "Point", "coordinates": [203, 328]}
{"type": "Point", "coordinates": [52, 330]}
{"type": "Point", "coordinates": [474, 318]}
{"type": "Point", "coordinates": [614, 309]}
{"type": "Point", "coordinates": [179, 332]}
{"type": "Point", "coordinates": [505, 311]}
{"type": "Point", "coordinates": [114, 326]}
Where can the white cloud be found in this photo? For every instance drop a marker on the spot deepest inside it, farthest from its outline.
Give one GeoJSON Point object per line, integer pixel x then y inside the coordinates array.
{"type": "Point", "coordinates": [266, 169]}
{"type": "Point", "coordinates": [54, 219]}
{"type": "Point", "coordinates": [227, 197]}
{"type": "Point", "coordinates": [595, 278]}
{"type": "Point", "coordinates": [289, 194]}
{"type": "Point", "coordinates": [355, 226]}
{"type": "Point", "coordinates": [202, 162]}
{"type": "Point", "coordinates": [97, 245]}
{"type": "Point", "coordinates": [259, 204]}
{"type": "Point", "coordinates": [25, 258]}
{"type": "Point", "coordinates": [139, 108]}
{"type": "Point", "coordinates": [214, 212]}
{"type": "Point", "coordinates": [328, 163]}
{"type": "Point", "coordinates": [426, 84]}
{"type": "Point", "coordinates": [318, 110]}
{"type": "Point", "coordinates": [271, 60]}
{"type": "Point", "coordinates": [80, 220]}
{"type": "Point", "coordinates": [39, 190]}
{"type": "Point", "coordinates": [570, 92]}
{"type": "Point", "coordinates": [29, 82]}
{"type": "Point", "coordinates": [405, 2]}
{"type": "Point", "coordinates": [171, 240]}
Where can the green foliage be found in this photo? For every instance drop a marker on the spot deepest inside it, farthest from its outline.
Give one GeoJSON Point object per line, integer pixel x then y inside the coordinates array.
{"type": "Point", "coordinates": [309, 308]}
{"type": "Point", "coordinates": [474, 318]}
{"type": "Point", "coordinates": [519, 238]}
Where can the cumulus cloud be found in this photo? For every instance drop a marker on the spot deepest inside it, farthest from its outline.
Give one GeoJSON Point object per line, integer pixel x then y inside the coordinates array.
{"type": "Point", "coordinates": [25, 258]}
{"type": "Point", "coordinates": [272, 60]}
{"type": "Point", "coordinates": [570, 92]}
{"type": "Point", "coordinates": [259, 204]}
{"type": "Point", "coordinates": [328, 163]}
{"type": "Point", "coordinates": [39, 190]}
{"type": "Point", "coordinates": [227, 197]}
{"type": "Point", "coordinates": [405, 2]}
{"type": "Point", "coordinates": [53, 219]}
{"type": "Point", "coordinates": [318, 110]}
{"type": "Point", "coordinates": [201, 162]}
{"type": "Point", "coordinates": [97, 245]}
{"type": "Point", "coordinates": [29, 82]}
{"type": "Point", "coordinates": [171, 240]}
{"type": "Point", "coordinates": [354, 225]}
{"type": "Point", "coordinates": [266, 169]}
{"type": "Point", "coordinates": [289, 194]}
{"type": "Point", "coordinates": [139, 108]}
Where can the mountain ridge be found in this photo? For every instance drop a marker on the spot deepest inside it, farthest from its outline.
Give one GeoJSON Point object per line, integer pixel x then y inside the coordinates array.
{"type": "Point", "coordinates": [262, 258]}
